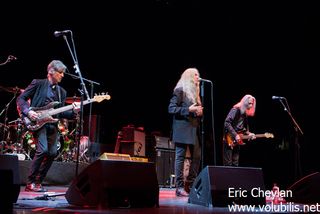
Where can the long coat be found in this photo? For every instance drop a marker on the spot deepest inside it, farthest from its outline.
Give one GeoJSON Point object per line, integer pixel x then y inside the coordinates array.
{"type": "Point", "coordinates": [185, 124]}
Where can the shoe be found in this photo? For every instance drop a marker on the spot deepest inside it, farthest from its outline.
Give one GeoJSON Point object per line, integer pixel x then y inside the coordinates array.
{"type": "Point", "coordinates": [180, 192]}
{"type": "Point", "coordinates": [40, 187]}
{"type": "Point", "coordinates": [32, 187]}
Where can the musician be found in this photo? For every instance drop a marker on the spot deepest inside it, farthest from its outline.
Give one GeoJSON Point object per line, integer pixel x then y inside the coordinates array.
{"type": "Point", "coordinates": [186, 110]}
{"type": "Point", "coordinates": [40, 93]}
{"type": "Point", "coordinates": [235, 125]}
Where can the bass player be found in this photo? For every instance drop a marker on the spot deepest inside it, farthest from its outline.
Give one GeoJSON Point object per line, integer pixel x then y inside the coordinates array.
{"type": "Point", "coordinates": [42, 92]}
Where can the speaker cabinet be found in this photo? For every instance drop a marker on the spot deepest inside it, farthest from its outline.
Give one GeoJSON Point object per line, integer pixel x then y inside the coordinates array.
{"type": "Point", "coordinates": [165, 166]}
{"type": "Point", "coordinates": [221, 186]}
{"type": "Point", "coordinates": [113, 183]}
{"type": "Point", "coordinates": [9, 178]}
{"type": "Point", "coordinates": [306, 190]}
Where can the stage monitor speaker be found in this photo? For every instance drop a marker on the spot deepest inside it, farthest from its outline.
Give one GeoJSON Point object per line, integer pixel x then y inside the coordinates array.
{"type": "Point", "coordinates": [221, 186]}
{"type": "Point", "coordinates": [306, 190]}
{"type": "Point", "coordinates": [114, 183]}
{"type": "Point", "coordinates": [9, 177]}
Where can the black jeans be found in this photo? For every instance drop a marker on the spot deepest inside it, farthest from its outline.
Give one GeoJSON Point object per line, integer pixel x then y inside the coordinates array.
{"type": "Point", "coordinates": [231, 155]}
{"type": "Point", "coordinates": [195, 153]}
{"type": "Point", "coordinates": [46, 151]}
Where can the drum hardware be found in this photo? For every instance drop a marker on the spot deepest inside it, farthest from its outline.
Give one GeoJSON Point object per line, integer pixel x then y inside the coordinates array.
{"type": "Point", "coordinates": [5, 111]}
{"type": "Point", "coordinates": [14, 143]}
{"type": "Point", "coordinates": [66, 148]}
{"type": "Point", "coordinates": [83, 149]}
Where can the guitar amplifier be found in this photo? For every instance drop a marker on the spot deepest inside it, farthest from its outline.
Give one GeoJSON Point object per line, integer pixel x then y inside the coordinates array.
{"type": "Point", "coordinates": [164, 142]}
{"type": "Point", "coordinates": [133, 142]}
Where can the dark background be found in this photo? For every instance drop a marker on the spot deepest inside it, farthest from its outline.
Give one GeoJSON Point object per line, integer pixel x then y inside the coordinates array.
{"type": "Point", "coordinates": [137, 51]}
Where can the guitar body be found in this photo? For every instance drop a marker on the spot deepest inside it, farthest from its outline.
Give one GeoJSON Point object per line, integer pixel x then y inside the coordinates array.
{"type": "Point", "coordinates": [232, 142]}
{"type": "Point", "coordinates": [44, 117]}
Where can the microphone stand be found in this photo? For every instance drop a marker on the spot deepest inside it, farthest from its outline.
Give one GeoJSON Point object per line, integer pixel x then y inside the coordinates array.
{"type": "Point", "coordinates": [9, 59]}
{"type": "Point", "coordinates": [298, 130]}
{"type": "Point", "coordinates": [91, 93]}
{"type": "Point", "coordinates": [82, 91]}
{"type": "Point", "coordinates": [202, 124]}
{"type": "Point", "coordinates": [213, 130]}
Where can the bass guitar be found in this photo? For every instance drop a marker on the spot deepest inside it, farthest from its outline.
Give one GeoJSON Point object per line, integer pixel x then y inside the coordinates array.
{"type": "Point", "coordinates": [46, 112]}
{"type": "Point", "coordinates": [232, 142]}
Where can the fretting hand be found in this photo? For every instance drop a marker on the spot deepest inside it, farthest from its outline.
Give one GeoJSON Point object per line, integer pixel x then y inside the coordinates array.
{"type": "Point", "coordinates": [76, 107]}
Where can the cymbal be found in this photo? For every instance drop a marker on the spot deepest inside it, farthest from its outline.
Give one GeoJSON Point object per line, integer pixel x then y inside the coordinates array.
{"type": "Point", "coordinates": [11, 89]}
{"type": "Point", "coordinates": [70, 100]}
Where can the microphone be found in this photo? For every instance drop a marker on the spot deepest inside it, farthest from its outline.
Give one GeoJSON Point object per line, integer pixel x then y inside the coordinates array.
{"type": "Point", "coordinates": [59, 33]}
{"type": "Point", "coordinates": [205, 80]}
{"type": "Point", "coordinates": [10, 57]}
{"type": "Point", "coordinates": [277, 98]}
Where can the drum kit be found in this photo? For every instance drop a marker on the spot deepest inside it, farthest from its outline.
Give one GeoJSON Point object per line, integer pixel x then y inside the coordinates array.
{"type": "Point", "coordinates": [16, 139]}
{"type": "Point", "coordinates": [67, 146]}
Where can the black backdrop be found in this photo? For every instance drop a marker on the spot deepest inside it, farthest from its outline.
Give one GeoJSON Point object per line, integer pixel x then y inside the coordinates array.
{"type": "Point", "coordinates": [137, 51]}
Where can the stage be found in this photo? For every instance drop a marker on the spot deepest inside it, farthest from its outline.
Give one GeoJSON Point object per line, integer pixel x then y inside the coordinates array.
{"type": "Point", "coordinates": [115, 186]}
{"type": "Point", "coordinates": [29, 202]}
{"type": "Point", "coordinates": [60, 173]}
{"type": "Point", "coordinates": [168, 203]}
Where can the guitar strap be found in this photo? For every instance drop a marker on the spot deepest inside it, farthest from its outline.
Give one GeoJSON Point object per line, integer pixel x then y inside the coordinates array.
{"type": "Point", "coordinates": [59, 93]}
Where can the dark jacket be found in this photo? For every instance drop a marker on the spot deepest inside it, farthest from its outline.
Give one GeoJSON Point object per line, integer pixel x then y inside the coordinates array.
{"type": "Point", "coordinates": [185, 124]}
{"type": "Point", "coordinates": [36, 92]}
{"type": "Point", "coordinates": [236, 123]}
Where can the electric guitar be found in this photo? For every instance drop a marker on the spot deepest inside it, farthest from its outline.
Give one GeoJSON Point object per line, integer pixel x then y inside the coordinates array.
{"type": "Point", "coordinates": [46, 112]}
{"type": "Point", "coordinates": [232, 142]}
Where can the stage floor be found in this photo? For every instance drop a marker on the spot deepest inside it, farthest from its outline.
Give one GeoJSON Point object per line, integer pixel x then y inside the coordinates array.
{"type": "Point", "coordinates": [29, 202]}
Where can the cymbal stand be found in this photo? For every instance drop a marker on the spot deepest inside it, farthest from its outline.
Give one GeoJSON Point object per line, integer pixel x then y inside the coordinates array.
{"type": "Point", "coordinates": [5, 111]}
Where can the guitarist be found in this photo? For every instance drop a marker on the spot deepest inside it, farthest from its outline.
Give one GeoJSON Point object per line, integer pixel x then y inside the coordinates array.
{"type": "Point", "coordinates": [235, 124]}
{"type": "Point", "coordinates": [39, 93]}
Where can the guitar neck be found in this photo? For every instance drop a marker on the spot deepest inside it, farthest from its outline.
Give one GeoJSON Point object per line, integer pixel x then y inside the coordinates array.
{"type": "Point", "coordinates": [67, 108]}
{"type": "Point", "coordinates": [260, 135]}
{"type": "Point", "coordinates": [246, 137]}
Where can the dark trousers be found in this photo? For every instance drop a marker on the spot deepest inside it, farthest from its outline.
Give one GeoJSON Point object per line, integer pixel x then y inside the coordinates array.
{"type": "Point", "coordinates": [195, 153]}
{"type": "Point", "coordinates": [231, 155]}
{"type": "Point", "coordinates": [46, 151]}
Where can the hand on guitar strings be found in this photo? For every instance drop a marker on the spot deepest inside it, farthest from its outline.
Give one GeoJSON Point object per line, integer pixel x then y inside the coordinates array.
{"type": "Point", "coordinates": [33, 115]}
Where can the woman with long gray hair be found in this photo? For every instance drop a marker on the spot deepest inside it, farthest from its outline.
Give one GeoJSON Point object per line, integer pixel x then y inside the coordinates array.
{"type": "Point", "coordinates": [186, 110]}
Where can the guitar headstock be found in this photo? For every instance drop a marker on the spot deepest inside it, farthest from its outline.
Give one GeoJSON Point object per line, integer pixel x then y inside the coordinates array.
{"type": "Point", "coordinates": [268, 135]}
{"type": "Point", "coordinates": [101, 97]}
